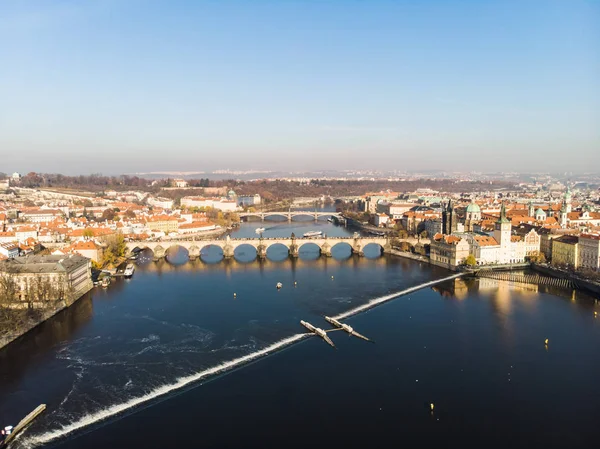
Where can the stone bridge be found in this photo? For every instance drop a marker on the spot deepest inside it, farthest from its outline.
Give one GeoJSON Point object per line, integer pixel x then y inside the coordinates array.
{"type": "Point", "coordinates": [228, 245]}
{"type": "Point", "coordinates": [289, 215]}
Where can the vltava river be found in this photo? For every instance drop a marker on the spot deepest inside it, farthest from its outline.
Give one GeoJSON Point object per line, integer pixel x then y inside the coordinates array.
{"type": "Point", "coordinates": [112, 367]}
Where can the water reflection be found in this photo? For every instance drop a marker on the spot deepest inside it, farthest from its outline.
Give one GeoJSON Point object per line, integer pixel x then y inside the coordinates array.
{"type": "Point", "coordinates": [25, 352]}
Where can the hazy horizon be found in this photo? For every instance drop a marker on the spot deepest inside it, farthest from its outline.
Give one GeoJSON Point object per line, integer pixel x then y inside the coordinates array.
{"type": "Point", "coordinates": [132, 86]}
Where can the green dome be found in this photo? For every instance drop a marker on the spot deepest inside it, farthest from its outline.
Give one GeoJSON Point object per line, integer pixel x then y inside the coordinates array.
{"type": "Point", "coordinates": [539, 211]}
{"type": "Point", "coordinates": [473, 208]}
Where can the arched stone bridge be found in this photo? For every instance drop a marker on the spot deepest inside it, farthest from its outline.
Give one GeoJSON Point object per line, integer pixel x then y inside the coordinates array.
{"type": "Point", "coordinates": [289, 215]}
{"type": "Point", "coordinates": [228, 245]}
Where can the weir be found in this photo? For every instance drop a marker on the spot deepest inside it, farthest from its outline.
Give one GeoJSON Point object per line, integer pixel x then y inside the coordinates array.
{"type": "Point", "coordinates": [182, 382]}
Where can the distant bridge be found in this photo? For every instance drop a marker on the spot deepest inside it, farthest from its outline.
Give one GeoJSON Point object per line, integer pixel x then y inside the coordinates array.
{"type": "Point", "coordinates": [289, 215]}
{"type": "Point", "coordinates": [228, 245]}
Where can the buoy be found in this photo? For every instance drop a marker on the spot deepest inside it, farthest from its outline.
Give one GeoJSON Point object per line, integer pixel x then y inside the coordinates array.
{"type": "Point", "coordinates": [234, 295]}
{"type": "Point", "coordinates": [431, 406]}
{"type": "Point", "coordinates": [331, 277]}
{"type": "Point", "coordinates": [295, 283]}
{"type": "Point", "coordinates": [546, 341]}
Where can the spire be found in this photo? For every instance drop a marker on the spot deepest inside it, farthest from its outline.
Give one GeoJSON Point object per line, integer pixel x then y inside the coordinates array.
{"type": "Point", "coordinates": [502, 218]}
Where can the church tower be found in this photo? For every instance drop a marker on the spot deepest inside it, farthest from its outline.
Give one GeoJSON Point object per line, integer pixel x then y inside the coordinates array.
{"type": "Point", "coordinates": [562, 216]}
{"type": "Point", "coordinates": [568, 199]}
{"type": "Point", "coordinates": [531, 210]}
{"type": "Point", "coordinates": [449, 219]}
{"type": "Point", "coordinates": [550, 210]}
{"type": "Point", "coordinates": [502, 230]}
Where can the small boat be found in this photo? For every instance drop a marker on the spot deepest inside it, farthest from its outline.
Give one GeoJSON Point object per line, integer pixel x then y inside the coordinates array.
{"type": "Point", "coordinates": [259, 230]}
{"type": "Point", "coordinates": [312, 233]}
{"type": "Point", "coordinates": [330, 219]}
{"type": "Point", "coordinates": [129, 270]}
{"type": "Point", "coordinates": [279, 285]}
{"type": "Point", "coordinates": [14, 431]}
{"type": "Point", "coordinates": [105, 282]}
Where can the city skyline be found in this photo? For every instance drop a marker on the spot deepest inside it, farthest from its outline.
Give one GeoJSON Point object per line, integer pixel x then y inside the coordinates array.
{"type": "Point", "coordinates": [126, 87]}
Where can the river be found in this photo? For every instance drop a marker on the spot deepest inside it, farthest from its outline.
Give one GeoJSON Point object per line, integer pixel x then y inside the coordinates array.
{"type": "Point", "coordinates": [156, 361]}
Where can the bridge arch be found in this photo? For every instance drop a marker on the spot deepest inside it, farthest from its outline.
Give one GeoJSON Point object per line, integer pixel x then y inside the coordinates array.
{"type": "Point", "coordinates": [372, 250]}
{"type": "Point", "coordinates": [341, 250]}
{"type": "Point", "coordinates": [211, 253]}
{"type": "Point", "coordinates": [176, 254]}
{"type": "Point", "coordinates": [245, 252]}
{"type": "Point", "coordinates": [277, 252]}
{"type": "Point", "coordinates": [308, 250]}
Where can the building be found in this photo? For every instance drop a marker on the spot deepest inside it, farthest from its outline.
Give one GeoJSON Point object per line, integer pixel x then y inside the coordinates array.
{"type": "Point", "coordinates": [565, 251]}
{"type": "Point", "coordinates": [163, 203]}
{"type": "Point", "coordinates": [432, 226]}
{"type": "Point", "coordinates": [448, 251]}
{"type": "Point", "coordinates": [214, 203]}
{"type": "Point", "coordinates": [9, 250]}
{"type": "Point", "coordinates": [589, 251]}
{"type": "Point", "coordinates": [180, 183]}
{"type": "Point", "coordinates": [164, 223]}
{"type": "Point", "coordinates": [41, 215]}
{"type": "Point", "coordinates": [246, 200]}
{"type": "Point", "coordinates": [88, 249]}
{"type": "Point", "coordinates": [196, 226]}
{"type": "Point", "coordinates": [380, 220]}
{"type": "Point", "coordinates": [394, 210]}
{"type": "Point", "coordinates": [24, 233]}
{"type": "Point", "coordinates": [33, 281]}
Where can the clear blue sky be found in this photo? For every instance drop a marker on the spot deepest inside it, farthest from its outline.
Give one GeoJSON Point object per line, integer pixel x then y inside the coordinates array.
{"type": "Point", "coordinates": [117, 86]}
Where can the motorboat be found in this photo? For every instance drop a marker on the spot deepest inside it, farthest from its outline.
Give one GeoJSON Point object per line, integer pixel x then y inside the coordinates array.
{"type": "Point", "coordinates": [330, 219]}
{"type": "Point", "coordinates": [259, 230]}
{"type": "Point", "coordinates": [312, 234]}
{"type": "Point", "coordinates": [129, 270]}
{"type": "Point", "coordinates": [279, 285]}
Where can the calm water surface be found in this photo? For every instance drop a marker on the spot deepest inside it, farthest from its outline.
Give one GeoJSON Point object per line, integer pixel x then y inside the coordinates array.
{"type": "Point", "coordinates": [474, 349]}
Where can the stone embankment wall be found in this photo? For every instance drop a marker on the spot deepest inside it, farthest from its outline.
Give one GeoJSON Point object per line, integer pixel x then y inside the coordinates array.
{"type": "Point", "coordinates": [586, 284]}
{"type": "Point", "coordinates": [44, 311]}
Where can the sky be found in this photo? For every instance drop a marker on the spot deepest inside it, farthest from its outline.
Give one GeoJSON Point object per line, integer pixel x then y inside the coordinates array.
{"type": "Point", "coordinates": [124, 86]}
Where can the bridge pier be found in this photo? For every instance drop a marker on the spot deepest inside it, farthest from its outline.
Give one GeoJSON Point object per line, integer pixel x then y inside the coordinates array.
{"type": "Point", "coordinates": [326, 250]}
{"type": "Point", "coordinates": [159, 253]}
{"type": "Point", "coordinates": [194, 252]}
{"type": "Point", "coordinates": [293, 250]}
{"type": "Point", "coordinates": [261, 251]}
{"type": "Point", "coordinates": [228, 251]}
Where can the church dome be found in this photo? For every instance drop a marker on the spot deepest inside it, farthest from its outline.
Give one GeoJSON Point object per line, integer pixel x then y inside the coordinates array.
{"type": "Point", "coordinates": [473, 208]}
{"type": "Point", "coordinates": [539, 212]}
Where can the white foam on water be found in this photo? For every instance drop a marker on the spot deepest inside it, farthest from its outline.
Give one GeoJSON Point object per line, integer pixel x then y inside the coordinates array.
{"type": "Point", "coordinates": [36, 440]}
{"type": "Point", "coordinates": [382, 299]}
{"type": "Point", "coordinates": [92, 418]}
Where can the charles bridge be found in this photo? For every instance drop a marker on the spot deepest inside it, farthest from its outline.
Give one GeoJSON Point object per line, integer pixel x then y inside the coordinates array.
{"type": "Point", "coordinates": [261, 245]}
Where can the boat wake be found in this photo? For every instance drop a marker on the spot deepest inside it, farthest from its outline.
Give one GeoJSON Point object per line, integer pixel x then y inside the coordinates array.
{"type": "Point", "coordinates": [31, 441]}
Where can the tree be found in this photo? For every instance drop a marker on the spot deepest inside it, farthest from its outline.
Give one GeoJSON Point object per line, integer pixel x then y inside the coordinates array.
{"type": "Point", "coordinates": [129, 213]}
{"type": "Point", "coordinates": [88, 233]}
{"type": "Point", "coordinates": [471, 261]}
{"type": "Point", "coordinates": [537, 257]}
{"type": "Point", "coordinates": [108, 214]}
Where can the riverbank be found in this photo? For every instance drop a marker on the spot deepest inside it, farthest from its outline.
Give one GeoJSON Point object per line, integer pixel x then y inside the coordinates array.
{"type": "Point", "coordinates": [580, 282]}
